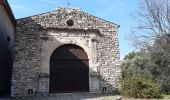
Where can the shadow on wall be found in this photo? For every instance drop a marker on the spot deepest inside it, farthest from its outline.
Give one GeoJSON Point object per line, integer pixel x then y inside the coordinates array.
{"type": "Point", "coordinates": [6, 62]}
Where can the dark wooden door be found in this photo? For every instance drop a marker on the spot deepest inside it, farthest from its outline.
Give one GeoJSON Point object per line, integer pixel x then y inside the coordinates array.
{"type": "Point", "coordinates": [69, 69]}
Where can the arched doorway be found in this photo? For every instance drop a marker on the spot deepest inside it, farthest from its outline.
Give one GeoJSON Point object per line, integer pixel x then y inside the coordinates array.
{"type": "Point", "coordinates": [69, 69]}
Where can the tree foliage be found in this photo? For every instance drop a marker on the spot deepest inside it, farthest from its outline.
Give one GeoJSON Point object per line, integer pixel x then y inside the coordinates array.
{"type": "Point", "coordinates": [153, 65]}
{"type": "Point", "coordinates": [160, 56]}
{"type": "Point", "coordinates": [132, 55]}
{"type": "Point", "coordinates": [136, 64]}
{"type": "Point", "coordinates": [153, 35]}
{"type": "Point", "coordinates": [136, 77]}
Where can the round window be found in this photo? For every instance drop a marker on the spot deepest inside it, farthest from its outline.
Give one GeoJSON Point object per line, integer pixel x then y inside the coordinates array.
{"type": "Point", "coordinates": [70, 22]}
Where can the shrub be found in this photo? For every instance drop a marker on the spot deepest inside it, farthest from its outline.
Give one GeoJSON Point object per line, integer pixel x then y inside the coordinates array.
{"type": "Point", "coordinates": [140, 87]}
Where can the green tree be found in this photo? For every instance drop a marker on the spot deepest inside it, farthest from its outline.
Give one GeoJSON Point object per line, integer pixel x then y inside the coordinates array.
{"type": "Point", "coordinates": [160, 56]}
{"type": "Point", "coordinates": [135, 63]}
{"type": "Point", "coordinates": [154, 65]}
{"type": "Point", "coordinates": [153, 35]}
{"type": "Point", "coordinates": [137, 80]}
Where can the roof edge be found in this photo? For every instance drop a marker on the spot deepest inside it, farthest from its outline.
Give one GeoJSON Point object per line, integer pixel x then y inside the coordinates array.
{"type": "Point", "coordinates": [74, 9]}
{"type": "Point", "coordinates": [8, 10]}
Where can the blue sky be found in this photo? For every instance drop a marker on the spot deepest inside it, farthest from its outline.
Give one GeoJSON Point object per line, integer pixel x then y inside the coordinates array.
{"type": "Point", "coordinates": [116, 11]}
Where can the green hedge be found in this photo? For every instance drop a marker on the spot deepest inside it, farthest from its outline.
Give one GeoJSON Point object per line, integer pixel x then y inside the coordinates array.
{"type": "Point", "coordinates": [140, 87]}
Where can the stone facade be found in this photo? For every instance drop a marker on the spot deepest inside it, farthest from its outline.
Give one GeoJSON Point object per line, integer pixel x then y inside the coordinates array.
{"type": "Point", "coordinates": [38, 36]}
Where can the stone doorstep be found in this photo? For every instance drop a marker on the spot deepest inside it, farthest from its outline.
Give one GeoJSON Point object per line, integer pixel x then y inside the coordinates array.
{"type": "Point", "coordinates": [73, 96]}
{"type": "Point", "coordinates": [70, 94]}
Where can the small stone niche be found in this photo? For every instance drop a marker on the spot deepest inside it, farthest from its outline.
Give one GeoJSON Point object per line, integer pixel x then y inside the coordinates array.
{"type": "Point", "coordinates": [30, 91]}
{"type": "Point", "coordinates": [104, 89]}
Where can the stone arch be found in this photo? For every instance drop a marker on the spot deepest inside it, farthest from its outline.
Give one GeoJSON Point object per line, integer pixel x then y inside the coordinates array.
{"type": "Point", "coordinates": [56, 45]}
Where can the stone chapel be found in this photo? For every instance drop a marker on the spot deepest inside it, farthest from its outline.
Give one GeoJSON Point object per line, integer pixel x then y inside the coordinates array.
{"type": "Point", "coordinates": [63, 51]}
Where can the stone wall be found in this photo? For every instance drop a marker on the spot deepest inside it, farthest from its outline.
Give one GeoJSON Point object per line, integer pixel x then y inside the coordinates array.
{"type": "Point", "coordinates": [99, 38]}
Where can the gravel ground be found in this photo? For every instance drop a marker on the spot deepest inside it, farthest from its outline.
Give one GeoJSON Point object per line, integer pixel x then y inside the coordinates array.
{"type": "Point", "coordinates": [75, 96]}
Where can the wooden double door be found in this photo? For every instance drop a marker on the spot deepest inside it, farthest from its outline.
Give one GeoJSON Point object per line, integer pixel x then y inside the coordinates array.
{"type": "Point", "coordinates": [69, 70]}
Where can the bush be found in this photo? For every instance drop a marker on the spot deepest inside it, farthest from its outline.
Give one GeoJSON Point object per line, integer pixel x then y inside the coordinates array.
{"type": "Point", "coordinates": [140, 87]}
{"type": "Point", "coordinates": [154, 64]}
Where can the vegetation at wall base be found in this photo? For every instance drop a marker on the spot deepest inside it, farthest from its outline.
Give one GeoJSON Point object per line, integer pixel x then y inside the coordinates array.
{"type": "Point", "coordinates": [140, 87]}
